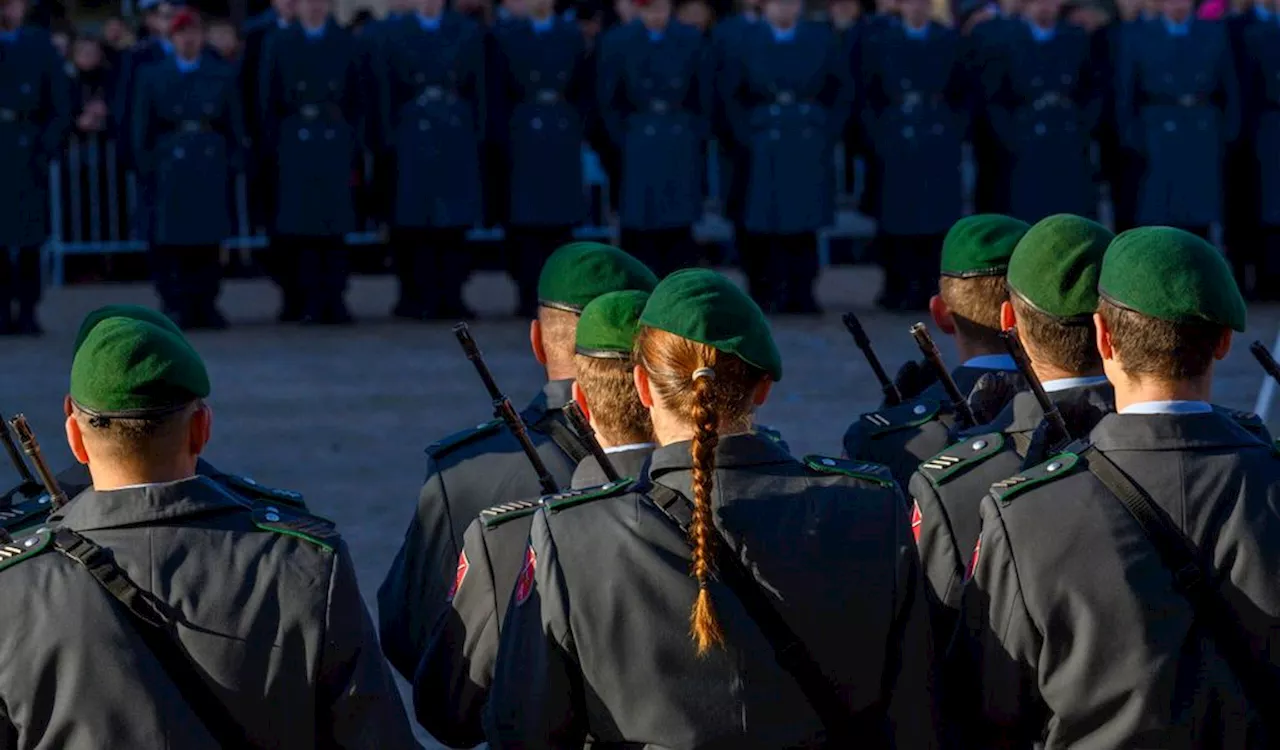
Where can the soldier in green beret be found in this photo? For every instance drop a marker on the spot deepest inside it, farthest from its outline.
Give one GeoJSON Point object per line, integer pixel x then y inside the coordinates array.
{"type": "Point", "coordinates": [158, 590]}
{"type": "Point", "coordinates": [975, 258]}
{"type": "Point", "coordinates": [618, 632]}
{"type": "Point", "coordinates": [452, 683]}
{"type": "Point", "coordinates": [1053, 293]}
{"type": "Point", "coordinates": [464, 468]}
{"type": "Point", "coordinates": [1076, 631]}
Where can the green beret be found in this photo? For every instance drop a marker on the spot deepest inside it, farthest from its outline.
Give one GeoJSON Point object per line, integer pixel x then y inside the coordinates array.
{"type": "Point", "coordinates": [701, 305]}
{"type": "Point", "coordinates": [1172, 275]}
{"type": "Point", "coordinates": [133, 368]}
{"type": "Point", "coordinates": [579, 272]}
{"type": "Point", "coordinates": [981, 245]}
{"type": "Point", "coordinates": [608, 326]}
{"type": "Point", "coordinates": [1055, 266]}
{"type": "Point", "coordinates": [136, 312]}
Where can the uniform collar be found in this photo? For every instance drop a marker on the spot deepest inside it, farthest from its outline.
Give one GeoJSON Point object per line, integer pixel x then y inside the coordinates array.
{"type": "Point", "coordinates": [555, 394]}
{"type": "Point", "coordinates": [656, 36]}
{"type": "Point", "coordinates": [1023, 412]}
{"type": "Point", "coordinates": [629, 461]}
{"type": "Point", "coordinates": [1042, 35]}
{"type": "Point", "coordinates": [9, 37]}
{"type": "Point", "coordinates": [1176, 29]}
{"type": "Point", "coordinates": [543, 26]}
{"type": "Point", "coordinates": [166, 45]}
{"type": "Point", "coordinates": [1062, 384]}
{"type": "Point", "coordinates": [783, 35]}
{"type": "Point", "coordinates": [316, 33]}
{"type": "Point", "coordinates": [1002, 362]}
{"type": "Point", "coordinates": [147, 504]}
{"type": "Point", "coordinates": [1162, 432]}
{"type": "Point", "coordinates": [746, 449]}
{"type": "Point", "coordinates": [429, 23]}
{"type": "Point", "coordinates": [919, 34]}
{"type": "Point", "coordinates": [186, 66]}
{"type": "Point", "coordinates": [1168, 407]}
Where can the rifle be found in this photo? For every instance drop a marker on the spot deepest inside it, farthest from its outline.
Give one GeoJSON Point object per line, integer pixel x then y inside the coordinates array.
{"type": "Point", "coordinates": [1268, 362]}
{"type": "Point", "coordinates": [1051, 413]}
{"type": "Point", "coordinates": [578, 421]}
{"type": "Point", "coordinates": [934, 358]}
{"type": "Point", "coordinates": [502, 409]}
{"type": "Point", "coordinates": [15, 457]}
{"type": "Point", "coordinates": [31, 447]}
{"type": "Point", "coordinates": [892, 396]}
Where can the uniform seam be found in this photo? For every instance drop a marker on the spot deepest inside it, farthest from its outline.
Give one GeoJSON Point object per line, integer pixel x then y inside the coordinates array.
{"type": "Point", "coordinates": [1022, 600]}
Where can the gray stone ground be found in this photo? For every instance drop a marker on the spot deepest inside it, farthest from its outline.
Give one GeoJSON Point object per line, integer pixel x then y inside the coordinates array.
{"type": "Point", "coordinates": [343, 415]}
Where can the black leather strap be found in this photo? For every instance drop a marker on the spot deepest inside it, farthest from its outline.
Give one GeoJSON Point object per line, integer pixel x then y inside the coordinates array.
{"type": "Point", "coordinates": [552, 425]}
{"type": "Point", "coordinates": [153, 622]}
{"type": "Point", "coordinates": [1193, 579]}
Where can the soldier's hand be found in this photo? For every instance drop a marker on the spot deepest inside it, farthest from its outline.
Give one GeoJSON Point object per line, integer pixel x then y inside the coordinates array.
{"type": "Point", "coordinates": [913, 378]}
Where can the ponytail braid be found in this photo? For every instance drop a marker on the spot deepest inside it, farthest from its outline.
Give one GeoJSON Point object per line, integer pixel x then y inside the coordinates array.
{"type": "Point", "coordinates": [704, 626]}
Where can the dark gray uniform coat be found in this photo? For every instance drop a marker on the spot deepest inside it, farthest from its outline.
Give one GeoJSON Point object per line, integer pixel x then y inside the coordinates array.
{"type": "Point", "coordinates": [596, 641]}
{"type": "Point", "coordinates": [1073, 634]}
{"type": "Point", "coordinates": [452, 683]}
{"type": "Point", "coordinates": [269, 609]}
{"type": "Point", "coordinates": [466, 473]}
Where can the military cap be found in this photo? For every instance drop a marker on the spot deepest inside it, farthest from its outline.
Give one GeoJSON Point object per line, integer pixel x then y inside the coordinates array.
{"type": "Point", "coordinates": [136, 312]}
{"type": "Point", "coordinates": [981, 245]}
{"type": "Point", "coordinates": [1172, 275]}
{"type": "Point", "coordinates": [701, 305]}
{"type": "Point", "coordinates": [608, 326]}
{"type": "Point", "coordinates": [1055, 266]}
{"type": "Point", "coordinates": [579, 272]}
{"type": "Point", "coordinates": [131, 368]}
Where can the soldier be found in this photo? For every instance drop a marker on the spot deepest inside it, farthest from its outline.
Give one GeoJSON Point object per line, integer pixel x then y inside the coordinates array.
{"type": "Point", "coordinates": [542, 85]}
{"type": "Point", "coordinates": [1261, 89]}
{"type": "Point", "coordinates": [1044, 98]}
{"type": "Point", "coordinates": [433, 90]}
{"type": "Point", "coordinates": [35, 112]}
{"type": "Point", "coordinates": [655, 97]}
{"type": "Point", "coordinates": [1121, 167]}
{"type": "Point", "coordinates": [464, 469]}
{"type": "Point", "coordinates": [153, 48]}
{"type": "Point", "coordinates": [727, 39]}
{"type": "Point", "coordinates": [453, 678]}
{"type": "Point", "coordinates": [987, 30]}
{"type": "Point", "coordinates": [1053, 291]}
{"type": "Point", "coordinates": [717, 497]}
{"type": "Point", "coordinates": [1178, 105]}
{"type": "Point", "coordinates": [916, 119]}
{"type": "Point", "coordinates": [975, 257]}
{"type": "Point", "coordinates": [1094, 638]}
{"type": "Point", "coordinates": [314, 105]}
{"type": "Point", "coordinates": [787, 96]}
{"type": "Point", "coordinates": [245, 614]}
{"type": "Point", "coordinates": [188, 133]}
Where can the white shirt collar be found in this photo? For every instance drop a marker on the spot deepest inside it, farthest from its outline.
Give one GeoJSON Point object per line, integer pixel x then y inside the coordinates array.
{"type": "Point", "coordinates": [1062, 384]}
{"type": "Point", "coordinates": [630, 447]}
{"type": "Point", "coordinates": [992, 362]}
{"type": "Point", "coordinates": [1168, 407]}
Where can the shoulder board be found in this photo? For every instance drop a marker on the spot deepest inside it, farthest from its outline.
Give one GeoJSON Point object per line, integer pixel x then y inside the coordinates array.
{"type": "Point", "coordinates": [1060, 465]}
{"type": "Point", "coordinates": [1250, 421]}
{"type": "Point", "coordinates": [865, 470]}
{"type": "Point", "coordinates": [570, 498]}
{"type": "Point", "coordinates": [255, 491]}
{"type": "Point", "coordinates": [25, 513]}
{"type": "Point", "coordinates": [14, 552]}
{"type": "Point", "coordinates": [500, 514]}
{"type": "Point", "coordinates": [290, 522]}
{"type": "Point", "coordinates": [447, 444]}
{"type": "Point", "coordinates": [901, 417]}
{"type": "Point", "coordinates": [957, 458]}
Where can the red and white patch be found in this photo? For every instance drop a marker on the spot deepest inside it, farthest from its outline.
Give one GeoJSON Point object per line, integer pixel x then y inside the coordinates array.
{"type": "Point", "coordinates": [460, 575]}
{"type": "Point", "coordinates": [917, 520]}
{"type": "Point", "coordinates": [524, 583]}
{"type": "Point", "coordinates": [973, 561]}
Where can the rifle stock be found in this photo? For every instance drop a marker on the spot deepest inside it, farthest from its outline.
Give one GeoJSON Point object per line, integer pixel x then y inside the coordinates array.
{"type": "Point", "coordinates": [931, 355]}
{"type": "Point", "coordinates": [1013, 342]}
{"type": "Point", "coordinates": [1268, 362]}
{"type": "Point", "coordinates": [892, 396]}
{"type": "Point", "coordinates": [15, 456]}
{"type": "Point", "coordinates": [31, 447]}
{"type": "Point", "coordinates": [581, 425]}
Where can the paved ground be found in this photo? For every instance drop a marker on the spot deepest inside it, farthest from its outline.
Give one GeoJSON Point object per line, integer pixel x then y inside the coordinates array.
{"type": "Point", "coordinates": [343, 415]}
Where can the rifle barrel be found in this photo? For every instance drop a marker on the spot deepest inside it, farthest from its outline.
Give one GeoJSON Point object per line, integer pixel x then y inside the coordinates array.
{"type": "Point", "coordinates": [581, 425]}
{"type": "Point", "coordinates": [31, 447]}
{"type": "Point", "coordinates": [15, 456]}
{"type": "Point", "coordinates": [1268, 362]}
{"type": "Point", "coordinates": [892, 396]}
{"type": "Point", "coordinates": [1013, 342]}
{"type": "Point", "coordinates": [931, 354]}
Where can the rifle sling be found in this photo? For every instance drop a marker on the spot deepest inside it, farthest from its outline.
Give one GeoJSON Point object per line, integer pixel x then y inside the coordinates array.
{"type": "Point", "coordinates": [552, 425]}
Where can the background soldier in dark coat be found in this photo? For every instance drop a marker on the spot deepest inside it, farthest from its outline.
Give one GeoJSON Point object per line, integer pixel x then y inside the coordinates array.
{"type": "Point", "coordinates": [484, 466]}
{"type": "Point", "coordinates": [787, 95]}
{"type": "Point", "coordinates": [655, 93]}
{"type": "Point", "coordinates": [1121, 166]}
{"type": "Point", "coordinates": [728, 37]}
{"type": "Point", "coordinates": [433, 92]}
{"type": "Point", "coordinates": [188, 135]}
{"type": "Point", "coordinates": [1241, 223]}
{"type": "Point", "coordinates": [1075, 631]}
{"type": "Point", "coordinates": [1043, 97]}
{"type": "Point", "coordinates": [1178, 105]}
{"type": "Point", "coordinates": [315, 104]}
{"type": "Point", "coordinates": [1261, 94]}
{"type": "Point", "coordinates": [988, 32]}
{"type": "Point", "coordinates": [261, 178]}
{"type": "Point", "coordinates": [542, 86]}
{"type": "Point", "coordinates": [916, 116]}
{"type": "Point", "coordinates": [35, 112]}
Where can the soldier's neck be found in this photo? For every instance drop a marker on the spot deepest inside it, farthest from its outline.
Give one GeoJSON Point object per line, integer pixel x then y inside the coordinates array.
{"type": "Point", "coordinates": [107, 477]}
{"type": "Point", "coordinates": [967, 350]}
{"type": "Point", "coordinates": [1130, 391]}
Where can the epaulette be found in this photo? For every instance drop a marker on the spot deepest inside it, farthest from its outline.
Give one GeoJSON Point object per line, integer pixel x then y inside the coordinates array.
{"type": "Point", "coordinates": [958, 458]}
{"type": "Point", "coordinates": [1248, 420]}
{"type": "Point", "coordinates": [14, 552]}
{"type": "Point", "coordinates": [1060, 465]}
{"type": "Point", "coordinates": [22, 514]}
{"type": "Point", "coordinates": [772, 436]}
{"type": "Point", "coordinates": [446, 444]}
{"type": "Point", "coordinates": [865, 470]}
{"type": "Point", "coordinates": [570, 498]}
{"type": "Point", "coordinates": [291, 522]}
{"type": "Point", "coordinates": [500, 514]}
{"type": "Point", "coordinates": [901, 417]}
{"type": "Point", "coordinates": [255, 491]}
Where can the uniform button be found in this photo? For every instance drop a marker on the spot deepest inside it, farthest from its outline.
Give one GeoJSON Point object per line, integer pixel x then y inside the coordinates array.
{"type": "Point", "coordinates": [562, 75]}
{"type": "Point", "coordinates": [249, 481]}
{"type": "Point", "coordinates": [272, 509]}
{"type": "Point", "coordinates": [1056, 465]}
{"type": "Point", "coordinates": [919, 409]}
{"type": "Point", "coordinates": [44, 500]}
{"type": "Point", "coordinates": [648, 83]}
{"type": "Point", "coordinates": [979, 445]}
{"type": "Point", "coordinates": [675, 82]}
{"type": "Point", "coordinates": [30, 542]}
{"type": "Point", "coordinates": [828, 462]}
{"type": "Point", "coordinates": [333, 85]}
{"type": "Point", "coordinates": [1170, 126]}
{"type": "Point", "coordinates": [273, 517]}
{"type": "Point", "coordinates": [536, 123]}
{"type": "Point", "coordinates": [178, 109]}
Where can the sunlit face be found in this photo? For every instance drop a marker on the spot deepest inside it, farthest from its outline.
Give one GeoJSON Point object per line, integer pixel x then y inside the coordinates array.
{"type": "Point", "coordinates": [314, 13]}
{"type": "Point", "coordinates": [783, 14]}
{"type": "Point", "coordinates": [188, 42]}
{"type": "Point", "coordinates": [915, 13]}
{"type": "Point", "coordinates": [12, 12]}
{"type": "Point", "coordinates": [655, 15]}
{"type": "Point", "coordinates": [1043, 13]}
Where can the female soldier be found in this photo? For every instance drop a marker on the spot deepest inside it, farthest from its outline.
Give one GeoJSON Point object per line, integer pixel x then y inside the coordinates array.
{"type": "Point", "coordinates": [598, 640]}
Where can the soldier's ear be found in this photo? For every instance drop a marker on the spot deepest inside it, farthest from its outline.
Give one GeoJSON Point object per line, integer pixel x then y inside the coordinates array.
{"type": "Point", "coordinates": [75, 440]}
{"type": "Point", "coordinates": [581, 399]}
{"type": "Point", "coordinates": [642, 386]}
{"type": "Point", "coordinates": [1223, 347]}
{"type": "Point", "coordinates": [200, 429]}
{"type": "Point", "coordinates": [762, 391]}
{"type": "Point", "coordinates": [942, 315]}
{"type": "Point", "coordinates": [535, 340]}
{"type": "Point", "coordinates": [1007, 318]}
{"type": "Point", "coordinates": [66, 405]}
{"type": "Point", "coordinates": [1103, 338]}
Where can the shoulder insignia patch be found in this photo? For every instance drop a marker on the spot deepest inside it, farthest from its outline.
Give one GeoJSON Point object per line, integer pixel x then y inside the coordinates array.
{"type": "Point", "coordinates": [500, 514]}
{"type": "Point", "coordinates": [255, 491]}
{"type": "Point", "coordinates": [1059, 466]}
{"type": "Point", "coordinates": [288, 521]}
{"type": "Point", "coordinates": [865, 470]}
{"type": "Point", "coordinates": [957, 458]}
{"type": "Point", "coordinates": [772, 436]}
{"type": "Point", "coordinates": [26, 513]}
{"type": "Point", "coordinates": [14, 552]}
{"type": "Point", "coordinates": [570, 498]}
{"type": "Point", "coordinates": [446, 444]}
{"type": "Point", "coordinates": [882, 422]}
{"type": "Point", "coordinates": [1246, 419]}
